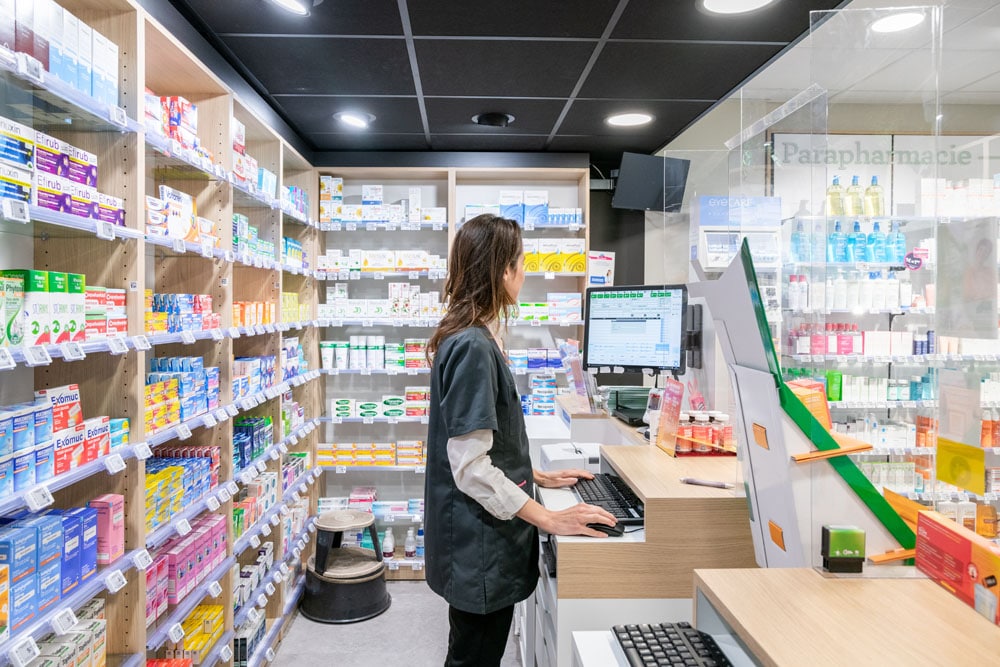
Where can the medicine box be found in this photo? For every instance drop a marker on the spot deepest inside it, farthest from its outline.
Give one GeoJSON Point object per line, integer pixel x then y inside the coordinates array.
{"type": "Point", "coordinates": [65, 403]}
{"type": "Point", "coordinates": [44, 462]}
{"type": "Point", "coordinates": [24, 470]}
{"type": "Point", "coordinates": [70, 561]}
{"type": "Point", "coordinates": [36, 317]}
{"type": "Point", "coordinates": [23, 603]}
{"type": "Point", "coordinates": [69, 445]}
{"type": "Point", "coordinates": [17, 144]}
{"type": "Point", "coordinates": [536, 208]}
{"type": "Point", "coordinates": [512, 205]}
{"type": "Point", "coordinates": [19, 552]}
{"type": "Point", "coordinates": [88, 540]}
{"type": "Point", "coordinates": [4, 603]}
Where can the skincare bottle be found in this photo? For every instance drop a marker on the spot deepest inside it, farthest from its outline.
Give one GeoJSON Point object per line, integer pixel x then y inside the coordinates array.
{"type": "Point", "coordinates": [835, 198]}
{"type": "Point", "coordinates": [905, 293]}
{"type": "Point", "coordinates": [410, 544]}
{"type": "Point", "coordinates": [836, 248]}
{"type": "Point", "coordinates": [967, 514]}
{"type": "Point", "coordinates": [388, 545]}
{"type": "Point", "coordinates": [853, 199]}
{"type": "Point", "coordinates": [853, 293]}
{"type": "Point", "coordinates": [878, 291]}
{"type": "Point", "coordinates": [874, 199]}
{"type": "Point", "coordinates": [857, 245]}
{"type": "Point", "coordinates": [876, 245]}
{"type": "Point", "coordinates": [840, 293]}
{"type": "Point", "coordinates": [420, 541]}
{"type": "Point", "coordinates": [894, 242]}
{"type": "Point", "coordinates": [800, 244]}
{"type": "Point", "coordinates": [892, 292]}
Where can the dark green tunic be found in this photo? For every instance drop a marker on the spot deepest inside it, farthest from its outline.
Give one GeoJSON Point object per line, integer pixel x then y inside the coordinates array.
{"type": "Point", "coordinates": [476, 562]}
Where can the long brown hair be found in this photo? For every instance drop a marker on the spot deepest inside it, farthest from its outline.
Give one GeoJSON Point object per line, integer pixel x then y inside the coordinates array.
{"type": "Point", "coordinates": [484, 247]}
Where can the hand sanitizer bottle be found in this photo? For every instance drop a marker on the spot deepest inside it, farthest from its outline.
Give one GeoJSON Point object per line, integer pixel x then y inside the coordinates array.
{"type": "Point", "coordinates": [857, 245]}
{"type": "Point", "coordinates": [835, 198]}
{"type": "Point", "coordinates": [420, 542]}
{"type": "Point", "coordinates": [799, 244]}
{"type": "Point", "coordinates": [836, 248]}
{"type": "Point", "coordinates": [876, 245]}
{"type": "Point", "coordinates": [388, 545]}
{"type": "Point", "coordinates": [874, 199]}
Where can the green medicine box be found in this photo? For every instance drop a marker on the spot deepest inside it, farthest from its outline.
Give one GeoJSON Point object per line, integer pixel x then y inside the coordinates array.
{"type": "Point", "coordinates": [843, 549]}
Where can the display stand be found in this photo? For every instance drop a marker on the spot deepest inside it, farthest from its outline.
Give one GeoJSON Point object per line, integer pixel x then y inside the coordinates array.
{"type": "Point", "coordinates": [789, 502]}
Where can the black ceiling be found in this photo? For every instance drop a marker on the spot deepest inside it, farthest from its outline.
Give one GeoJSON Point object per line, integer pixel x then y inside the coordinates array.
{"type": "Point", "coordinates": [423, 68]}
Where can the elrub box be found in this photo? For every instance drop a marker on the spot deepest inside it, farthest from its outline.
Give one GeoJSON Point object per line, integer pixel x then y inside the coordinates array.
{"type": "Point", "coordinates": [49, 155]}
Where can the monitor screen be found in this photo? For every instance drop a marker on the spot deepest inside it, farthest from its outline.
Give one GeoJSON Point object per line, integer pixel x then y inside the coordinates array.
{"type": "Point", "coordinates": [650, 183]}
{"type": "Point", "coordinates": [635, 327]}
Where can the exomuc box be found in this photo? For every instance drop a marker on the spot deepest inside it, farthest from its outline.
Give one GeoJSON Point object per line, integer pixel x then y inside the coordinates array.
{"type": "Point", "coordinates": [65, 402]}
{"type": "Point", "coordinates": [97, 434]}
{"type": "Point", "coordinates": [68, 448]}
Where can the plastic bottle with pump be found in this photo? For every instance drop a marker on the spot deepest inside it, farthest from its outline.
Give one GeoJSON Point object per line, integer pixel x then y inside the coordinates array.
{"type": "Point", "coordinates": [388, 545]}
{"type": "Point", "coordinates": [892, 254]}
{"type": "Point", "coordinates": [800, 244]}
{"type": "Point", "coordinates": [420, 541]}
{"type": "Point", "coordinates": [874, 199]}
{"type": "Point", "coordinates": [857, 244]}
{"type": "Point", "coordinates": [410, 544]}
{"type": "Point", "coordinates": [892, 292]}
{"type": "Point", "coordinates": [836, 247]}
{"type": "Point", "coordinates": [835, 198]}
{"type": "Point", "coordinates": [854, 199]}
{"type": "Point", "coordinates": [876, 245]}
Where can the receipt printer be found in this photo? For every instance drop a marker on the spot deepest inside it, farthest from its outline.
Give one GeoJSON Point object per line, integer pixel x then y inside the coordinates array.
{"type": "Point", "coordinates": [585, 456]}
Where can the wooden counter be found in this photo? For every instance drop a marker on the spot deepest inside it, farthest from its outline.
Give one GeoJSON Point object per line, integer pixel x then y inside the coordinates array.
{"type": "Point", "coordinates": [801, 617]}
{"type": "Point", "coordinates": [686, 527]}
{"type": "Point", "coordinates": [587, 426]}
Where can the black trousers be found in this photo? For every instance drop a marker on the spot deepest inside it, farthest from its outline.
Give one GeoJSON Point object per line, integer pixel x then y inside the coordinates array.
{"type": "Point", "coordinates": [477, 640]}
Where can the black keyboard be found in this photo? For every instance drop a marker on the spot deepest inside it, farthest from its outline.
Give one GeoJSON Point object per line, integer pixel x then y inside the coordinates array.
{"type": "Point", "coordinates": [659, 644]}
{"type": "Point", "coordinates": [612, 494]}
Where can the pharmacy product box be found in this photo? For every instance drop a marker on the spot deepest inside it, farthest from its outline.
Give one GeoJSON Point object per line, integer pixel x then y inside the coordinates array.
{"type": "Point", "coordinates": [536, 208]}
{"type": "Point", "coordinates": [23, 602]}
{"type": "Point", "coordinates": [45, 462]}
{"type": "Point", "coordinates": [58, 307]}
{"type": "Point", "coordinates": [550, 255]}
{"type": "Point", "coordinates": [19, 552]}
{"type": "Point", "coordinates": [574, 255]}
{"type": "Point", "coordinates": [49, 585]}
{"type": "Point", "coordinates": [68, 446]}
{"type": "Point", "coordinates": [71, 48]}
{"type": "Point", "coordinates": [105, 69]}
{"type": "Point", "coordinates": [35, 313]}
{"type": "Point", "coordinates": [961, 561]}
{"type": "Point", "coordinates": [49, 156]}
{"type": "Point", "coordinates": [65, 402]}
{"type": "Point", "coordinates": [16, 184]}
{"type": "Point", "coordinates": [83, 200]}
{"type": "Point", "coordinates": [110, 209]}
{"type": "Point", "coordinates": [23, 426]}
{"type": "Point", "coordinates": [6, 476]}
{"type": "Point", "coordinates": [82, 168]}
{"type": "Point", "coordinates": [4, 603]}
{"type": "Point", "coordinates": [84, 58]}
{"type": "Point", "coordinates": [97, 438]}
{"type": "Point", "coordinates": [88, 539]}
{"type": "Point", "coordinates": [17, 144]}
{"type": "Point", "coordinates": [24, 470]}
{"type": "Point", "coordinates": [110, 527]}
{"type": "Point", "coordinates": [49, 538]}
{"type": "Point", "coordinates": [239, 135]}
{"type": "Point", "coordinates": [6, 433]}
{"type": "Point", "coordinates": [76, 285]}
{"type": "Point", "coordinates": [70, 560]}
{"type": "Point", "coordinates": [8, 40]}
{"type": "Point", "coordinates": [512, 205]}
{"type": "Point", "coordinates": [12, 330]}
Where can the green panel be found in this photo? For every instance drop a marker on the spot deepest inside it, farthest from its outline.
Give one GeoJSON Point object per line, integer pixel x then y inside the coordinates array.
{"type": "Point", "coordinates": [846, 468]}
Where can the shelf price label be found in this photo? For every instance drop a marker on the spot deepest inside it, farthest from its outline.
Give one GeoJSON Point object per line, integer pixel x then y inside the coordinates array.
{"type": "Point", "coordinates": [38, 498]}
{"type": "Point", "coordinates": [25, 650]}
{"type": "Point", "coordinates": [233, 488]}
{"type": "Point", "coordinates": [216, 334]}
{"type": "Point", "coordinates": [293, 441]}
{"type": "Point", "coordinates": [424, 419]}
{"type": "Point", "coordinates": [254, 541]}
{"type": "Point", "coordinates": [232, 410]}
{"type": "Point", "coordinates": [269, 588]}
{"type": "Point", "coordinates": [550, 275]}
{"type": "Point", "coordinates": [143, 451]}
{"type": "Point", "coordinates": [63, 621]}
{"type": "Point", "coordinates": [351, 226]}
{"type": "Point", "coordinates": [275, 520]}
{"type": "Point", "coordinates": [117, 345]}
{"type": "Point", "coordinates": [187, 337]}
{"type": "Point", "coordinates": [261, 466]}
{"type": "Point", "coordinates": [283, 448]}
{"type": "Point", "coordinates": [114, 464]}
{"type": "Point", "coordinates": [392, 565]}
{"type": "Point", "coordinates": [269, 655]}
{"type": "Point", "coordinates": [37, 355]}
{"type": "Point", "coordinates": [420, 470]}
{"type": "Point", "coordinates": [179, 246]}
{"type": "Point", "coordinates": [16, 211]}
{"type": "Point", "coordinates": [212, 503]}
{"type": "Point", "coordinates": [209, 420]}
{"type": "Point", "coordinates": [183, 527]}
{"type": "Point", "coordinates": [265, 530]}
{"type": "Point", "coordinates": [370, 227]}
{"type": "Point", "coordinates": [115, 581]}
{"type": "Point", "coordinates": [261, 600]}
{"type": "Point", "coordinates": [105, 230]}
{"type": "Point", "coordinates": [221, 415]}
{"type": "Point", "coordinates": [417, 566]}
{"type": "Point", "coordinates": [142, 560]}
{"type": "Point", "coordinates": [215, 589]}
{"type": "Point", "coordinates": [340, 470]}
{"type": "Point", "coordinates": [6, 359]}
{"type": "Point", "coordinates": [141, 343]}
{"type": "Point", "coordinates": [72, 351]}
{"type": "Point", "coordinates": [224, 495]}
{"type": "Point", "coordinates": [226, 654]}
{"type": "Point", "coordinates": [176, 632]}
{"type": "Point", "coordinates": [367, 420]}
{"type": "Point", "coordinates": [253, 616]}
{"type": "Point", "coordinates": [274, 456]}
{"type": "Point", "coordinates": [183, 432]}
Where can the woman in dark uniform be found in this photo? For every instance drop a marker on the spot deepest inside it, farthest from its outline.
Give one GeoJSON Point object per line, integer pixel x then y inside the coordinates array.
{"type": "Point", "coordinates": [481, 521]}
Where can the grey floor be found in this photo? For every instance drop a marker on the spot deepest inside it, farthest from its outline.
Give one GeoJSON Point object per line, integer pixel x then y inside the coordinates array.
{"type": "Point", "coordinates": [414, 631]}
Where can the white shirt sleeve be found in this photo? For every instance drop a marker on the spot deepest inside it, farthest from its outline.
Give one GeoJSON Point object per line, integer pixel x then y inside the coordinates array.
{"type": "Point", "coordinates": [477, 477]}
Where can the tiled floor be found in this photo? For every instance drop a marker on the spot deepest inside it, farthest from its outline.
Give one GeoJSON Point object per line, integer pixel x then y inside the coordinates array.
{"type": "Point", "coordinates": [414, 631]}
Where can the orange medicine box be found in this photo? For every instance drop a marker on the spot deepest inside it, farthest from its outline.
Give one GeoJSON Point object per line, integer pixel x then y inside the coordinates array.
{"type": "Point", "coordinates": [961, 561]}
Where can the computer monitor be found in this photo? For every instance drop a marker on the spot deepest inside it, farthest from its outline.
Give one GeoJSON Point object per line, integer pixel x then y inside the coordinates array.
{"type": "Point", "coordinates": [635, 327]}
{"type": "Point", "coordinates": [650, 183]}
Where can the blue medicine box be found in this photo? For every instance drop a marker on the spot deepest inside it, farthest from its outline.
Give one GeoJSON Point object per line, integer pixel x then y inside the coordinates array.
{"type": "Point", "coordinates": [19, 552]}
{"type": "Point", "coordinates": [88, 540]}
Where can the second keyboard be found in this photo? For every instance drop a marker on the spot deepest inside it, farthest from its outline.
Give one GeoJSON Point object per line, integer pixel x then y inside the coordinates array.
{"type": "Point", "coordinates": [611, 493]}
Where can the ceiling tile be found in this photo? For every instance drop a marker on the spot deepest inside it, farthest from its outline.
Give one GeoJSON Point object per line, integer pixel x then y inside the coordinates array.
{"type": "Point", "coordinates": [604, 143]}
{"type": "Point", "coordinates": [588, 117]}
{"type": "Point", "coordinates": [656, 19]}
{"type": "Point", "coordinates": [368, 142]}
{"type": "Point", "coordinates": [315, 114]}
{"type": "Point", "coordinates": [487, 142]}
{"type": "Point", "coordinates": [330, 17]}
{"type": "Point", "coordinates": [672, 71]}
{"type": "Point", "coordinates": [512, 18]}
{"type": "Point", "coordinates": [454, 116]}
{"type": "Point", "coordinates": [326, 65]}
{"type": "Point", "coordinates": [500, 68]}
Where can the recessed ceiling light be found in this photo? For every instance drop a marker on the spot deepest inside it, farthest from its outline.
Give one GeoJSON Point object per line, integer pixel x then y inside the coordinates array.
{"type": "Point", "coordinates": [355, 119]}
{"type": "Point", "coordinates": [294, 6]}
{"type": "Point", "coordinates": [897, 22]}
{"type": "Point", "coordinates": [733, 6]}
{"type": "Point", "coordinates": [493, 119]}
{"type": "Point", "coordinates": [628, 119]}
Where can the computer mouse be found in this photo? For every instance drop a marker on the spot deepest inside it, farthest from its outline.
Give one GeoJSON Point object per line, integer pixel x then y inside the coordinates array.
{"type": "Point", "coordinates": [611, 531]}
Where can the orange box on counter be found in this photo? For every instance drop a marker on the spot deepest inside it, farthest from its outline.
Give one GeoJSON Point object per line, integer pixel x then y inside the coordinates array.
{"type": "Point", "coordinates": [962, 562]}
